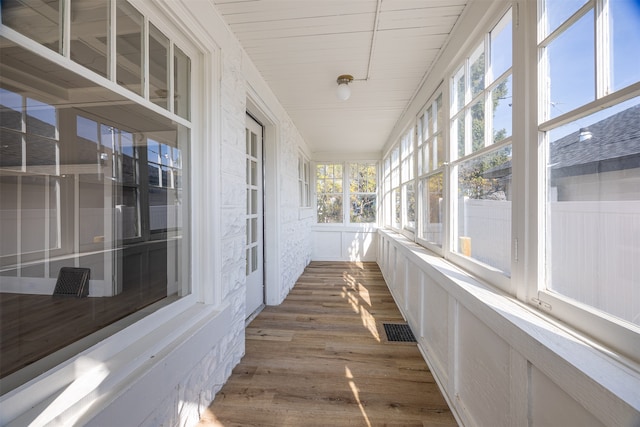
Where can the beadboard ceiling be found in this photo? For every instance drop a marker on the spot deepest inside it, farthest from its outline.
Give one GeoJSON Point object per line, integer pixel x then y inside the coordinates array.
{"type": "Point", "coordinates": [302, 46]}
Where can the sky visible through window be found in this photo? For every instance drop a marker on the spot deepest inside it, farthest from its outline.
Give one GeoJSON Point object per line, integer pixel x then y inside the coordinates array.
{"type": "Point", "coordinates": [572, 57]}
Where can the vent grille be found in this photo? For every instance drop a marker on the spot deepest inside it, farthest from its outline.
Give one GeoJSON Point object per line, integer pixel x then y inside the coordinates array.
{"type": "Point", "coordinates": [398, 332]}
{"type": "Point", "coordinates": [72, 282]}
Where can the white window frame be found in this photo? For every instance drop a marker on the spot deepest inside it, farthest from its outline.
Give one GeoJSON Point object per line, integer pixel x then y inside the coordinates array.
{"type": "Point", "coordinates": [424, 172]}
{"type": "Point", "coordinates": [481, 270]}
{"type": "Point", "coordinates": [304, 183]}
{"type": "Point", "coordinates": [621, 336]}
{"type": "Point", "coordinates": [346, 193]}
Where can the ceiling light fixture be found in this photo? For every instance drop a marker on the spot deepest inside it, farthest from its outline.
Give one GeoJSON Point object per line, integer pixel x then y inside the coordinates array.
{"type": "Point", "coordinates": [344, 91]}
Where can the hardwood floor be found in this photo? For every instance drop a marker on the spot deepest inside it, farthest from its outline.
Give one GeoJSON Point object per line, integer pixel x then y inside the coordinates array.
{"type": "Point", "coordinates": [322, 358]}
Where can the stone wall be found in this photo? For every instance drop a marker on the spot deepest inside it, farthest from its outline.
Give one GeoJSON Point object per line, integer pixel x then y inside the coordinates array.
{"type": "Point", "coordinates": [295, 239]}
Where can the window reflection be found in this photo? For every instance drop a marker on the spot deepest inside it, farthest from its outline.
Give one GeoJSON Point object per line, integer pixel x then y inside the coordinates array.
{"type": "Point", "coordinates": [129, 23]}
{"type": "Point", "coordinates": [90, 34]}
{"type": "Point", "coordinates": [40, 21]}
{"type": "Point", "coordinates": [593, 192]}
{"type": "Point", "coordinates": [158, 67]}
{"type": "Point", "coordinates": [76, 199]}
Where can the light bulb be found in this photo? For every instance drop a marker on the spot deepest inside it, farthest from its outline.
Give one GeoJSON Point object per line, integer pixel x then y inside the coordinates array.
{"type": "Point", "coordinates": [343, 92]}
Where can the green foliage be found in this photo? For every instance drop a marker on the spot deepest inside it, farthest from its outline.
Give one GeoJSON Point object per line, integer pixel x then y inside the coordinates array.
{"type": "Point", "coordinates": [479, 178]}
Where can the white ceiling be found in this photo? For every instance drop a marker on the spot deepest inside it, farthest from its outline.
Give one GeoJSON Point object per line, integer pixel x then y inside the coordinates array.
{"type": "Point", "coordinates": [302, 46]}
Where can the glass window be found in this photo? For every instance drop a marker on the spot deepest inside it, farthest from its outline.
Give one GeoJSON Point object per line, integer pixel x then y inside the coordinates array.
{"type": "Point", "coordinates": [181, 81]}
{"type": "Point", "coordinates": [431, 176]}
{"type": "Point", "coordinates": [40, 21]}
{"type": "Point", "coordinates": [362, 193]}
{"type": "Point", "coordinates": [477, 70]}
{"type": "Point", "coordinates": [158, 67]}
{"type": "Point", "coordinates": [433, 209]}
{"type": "Point", "coordinates": [593, 208]}
{"type": "Point", "coordinates": [303, 182]}
{"type": "Point", "coordinates": [484, 209]}
{"type": "Point", "coordinates": [90, 34]}
{"type": "Point", "coordinates": [624, 16]}
{"type": "Point", "coordinates": [592, 172]}
{"type": "Point", "coordinates": [408, 194]}
{"type": "Point", "coordinates": [98, 192]}
{"type": "Point", "coordinates": [501, 47]}
{"type": "Point", "coordinates": [129, 51]}
{"type": "Point", "coordinates": [329, 191]}
{"type": "Point", "coordinates": [481, 130]}
{"type": "Point", "coordinates": [574, 49]}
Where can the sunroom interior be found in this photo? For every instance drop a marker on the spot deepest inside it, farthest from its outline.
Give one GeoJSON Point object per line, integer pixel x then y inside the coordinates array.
{"type": "Point", "coordinates": [169, 168]}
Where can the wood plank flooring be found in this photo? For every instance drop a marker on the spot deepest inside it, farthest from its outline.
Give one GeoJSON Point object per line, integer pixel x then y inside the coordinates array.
{"type": "Point", "coordinates": [322, 358]}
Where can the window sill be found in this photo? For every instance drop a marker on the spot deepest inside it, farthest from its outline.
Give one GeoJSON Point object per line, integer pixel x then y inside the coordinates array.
{"type": "Point", "coordinates": [571, 359]}
{"type": "Point", "coordinates": [149, 345]}
{"type": "Point", "coordinates": [366, 228]}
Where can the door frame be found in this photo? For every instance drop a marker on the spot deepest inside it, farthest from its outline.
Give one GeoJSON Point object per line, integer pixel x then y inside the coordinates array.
{"type": "Point", "coordinates": [258, 109]}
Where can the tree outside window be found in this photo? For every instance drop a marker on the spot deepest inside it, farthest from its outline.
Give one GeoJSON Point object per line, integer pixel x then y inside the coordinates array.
{"type": "Point", "coordinates": [359, 191]}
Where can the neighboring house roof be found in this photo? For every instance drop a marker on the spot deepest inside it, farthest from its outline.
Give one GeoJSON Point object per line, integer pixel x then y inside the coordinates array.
{"type": "Point", "coordinates": [608, 145]}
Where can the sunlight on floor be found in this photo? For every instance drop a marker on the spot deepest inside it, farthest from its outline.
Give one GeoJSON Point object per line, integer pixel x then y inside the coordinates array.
{"type": "Point", "coordinates": [356, 394]}
{"type": "Point", "coordinates": [209, 419]}
{"type": "Point", "coordinates": [356, 295]}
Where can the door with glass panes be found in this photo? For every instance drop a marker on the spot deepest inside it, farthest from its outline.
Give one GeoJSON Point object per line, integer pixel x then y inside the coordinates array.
{"type": "Point", "coordinates": [254, 217]}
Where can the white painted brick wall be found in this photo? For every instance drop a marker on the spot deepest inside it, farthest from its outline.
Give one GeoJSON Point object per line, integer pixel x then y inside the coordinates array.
{"type": "Point", "coordinates": [186, 402]}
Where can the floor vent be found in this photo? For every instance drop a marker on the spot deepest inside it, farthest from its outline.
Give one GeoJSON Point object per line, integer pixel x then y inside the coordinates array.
{"type": "Point", "coordinates": [72, 282]}
{"type": "Point", "coordinates": [397, 332]}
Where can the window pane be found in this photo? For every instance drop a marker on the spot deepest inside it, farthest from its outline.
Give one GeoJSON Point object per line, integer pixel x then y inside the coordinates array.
{"type": "Point", "coordinates": [158, 67]}
{"type": "Point", "coordinates": [90, 34]}
{"type": "Point", "coordinates": [362, 178]}
{"type": "Point", "coordinates": [458, 134]}
{"type": "Point", "coordinates": [397, 208]}
{"type": "Point", "coordinates": [329, 208]}
{"type": "Point", "coordinates": [41, 119]}
{"type": "Point", "coordinates": [410, 205]}
{"type": "Point", "coordinates": [432, 214]}
{"type": "Point", "coordinates": [11, 149]}
{"type": "Point", "coordinates": [129, 51]}
{"type": "Point", "coordinates": [182, 83]}
{"type": "Point", "coordinates": [477, 123]}
{"type": "Point", "coordinates": [571, 51]}
{"type": "Point", "coordinates": [329, 190]}
{"type": "Point", "coordinates": [439, 122]}
{"type": "Point", "coordinates": [501, 47]}
{"type": "Point", "coordinates": [458, 88]}
{"type": "Point", "coordinates": [363, 208]}
{"type": "Point", "coordinates": [477, 70]}
{"type": "Point", "coordinates": [501, 97]}
{"type": "Point", "coordinates": [40, 21]}
{"type": "Point", "coordinates": [593, 210]}
{"type": "Point", "coordinates": [484, 209]}
{"type": "Point", "coordinates": [559, 11]}
{"type": "Point", "coordinates": [625, 39]}
{"type": "Point", "coordinates": [10, 110]}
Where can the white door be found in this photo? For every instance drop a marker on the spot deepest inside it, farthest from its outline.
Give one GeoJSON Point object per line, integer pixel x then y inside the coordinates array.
{"type": "Point", "coordinates": [255, 270]}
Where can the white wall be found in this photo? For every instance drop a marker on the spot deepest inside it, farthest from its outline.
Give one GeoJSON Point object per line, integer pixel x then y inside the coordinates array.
{"type": "Point", "coordinates": [498, 362]}
{"type": "Point", "coordinates": [344, 243]}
